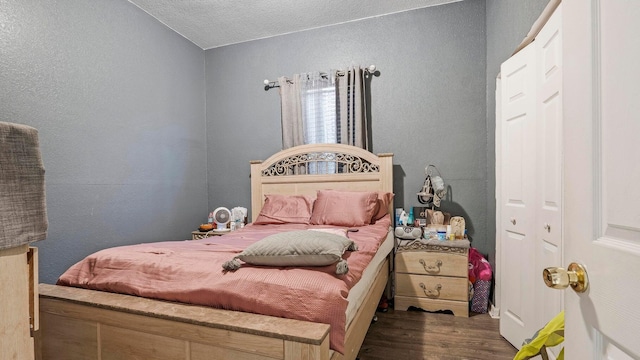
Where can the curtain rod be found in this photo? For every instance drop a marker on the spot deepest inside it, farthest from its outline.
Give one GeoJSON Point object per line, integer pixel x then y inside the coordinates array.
{"type": "Point", "coordinates": [273, 84]}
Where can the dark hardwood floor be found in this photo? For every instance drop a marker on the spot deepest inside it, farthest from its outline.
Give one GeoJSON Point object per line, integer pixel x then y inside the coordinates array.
{"type": "Point", "coordinates": [424, 335]}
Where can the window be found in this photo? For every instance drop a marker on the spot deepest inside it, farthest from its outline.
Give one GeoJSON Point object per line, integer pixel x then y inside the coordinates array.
{"type": "Point", "coordinates": [320, 123]}
{"type": "Point", "coordinates": [319, 115]}
{"type": "Point", "coordinates": [324, 108]}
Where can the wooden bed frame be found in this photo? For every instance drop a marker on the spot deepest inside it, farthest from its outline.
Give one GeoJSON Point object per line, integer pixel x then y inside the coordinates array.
{"type": "Point", "coordinates": [85, 324]}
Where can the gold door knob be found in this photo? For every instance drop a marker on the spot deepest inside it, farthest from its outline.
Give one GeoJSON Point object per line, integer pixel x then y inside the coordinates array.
{"type": "Point", "coordinates": [559, 278]}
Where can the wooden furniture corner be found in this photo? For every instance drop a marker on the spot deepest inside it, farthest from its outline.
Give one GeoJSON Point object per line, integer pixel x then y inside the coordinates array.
{"type": "Point", "coordinates": [432, 278]}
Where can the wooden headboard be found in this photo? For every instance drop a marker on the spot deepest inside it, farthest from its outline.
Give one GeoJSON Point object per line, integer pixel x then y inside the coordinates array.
{"type": "Point", "coordinates": [299, 171]}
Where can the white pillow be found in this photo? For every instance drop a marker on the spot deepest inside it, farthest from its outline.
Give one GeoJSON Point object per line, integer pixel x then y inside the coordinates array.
{"type": "Point", "coordinates": [296, 248]}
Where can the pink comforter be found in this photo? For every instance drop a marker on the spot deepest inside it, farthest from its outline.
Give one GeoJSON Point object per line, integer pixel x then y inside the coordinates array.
{"type": "Point", "coordinates": [191, 272]}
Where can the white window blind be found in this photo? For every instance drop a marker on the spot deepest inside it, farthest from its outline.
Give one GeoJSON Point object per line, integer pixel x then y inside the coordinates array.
{"type": "Point", "coordinates": [319, 115]}
{"type": "Point", "coordinates": [320, 121]}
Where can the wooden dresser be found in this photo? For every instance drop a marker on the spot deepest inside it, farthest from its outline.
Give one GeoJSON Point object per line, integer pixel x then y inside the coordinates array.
{"type": "Point", "coordinates": [432, 277]}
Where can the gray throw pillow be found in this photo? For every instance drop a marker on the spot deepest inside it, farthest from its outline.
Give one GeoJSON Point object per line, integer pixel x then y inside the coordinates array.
{"type": "Point", "coordinates": [296, 248]}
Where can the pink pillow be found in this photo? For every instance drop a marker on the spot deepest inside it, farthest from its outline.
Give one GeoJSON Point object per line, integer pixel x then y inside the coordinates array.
{"type": "Point", "coordinates": [283, 209]}
{"type": "Point", "coordinates": [382, 206]}
{"type": "Point", "coordinates": [344, 208]}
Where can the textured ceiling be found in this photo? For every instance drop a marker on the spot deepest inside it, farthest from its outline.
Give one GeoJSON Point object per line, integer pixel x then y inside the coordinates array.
{"type": "Point", "coordinates": [214, 23]}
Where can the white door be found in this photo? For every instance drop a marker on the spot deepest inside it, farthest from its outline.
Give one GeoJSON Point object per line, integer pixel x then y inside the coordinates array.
{"type": "Point", "coordinates": [549, 146]}
{"type": "Point", "coordinates": [515, 131]}
{"type": "Point", "coordinates": [602, 176]}
{"type": "Point", "coordinates": [529, 182]}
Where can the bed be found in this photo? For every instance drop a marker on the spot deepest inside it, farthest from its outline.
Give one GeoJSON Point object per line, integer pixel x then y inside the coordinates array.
{"type": "Point", "coordinates": [77, 323]}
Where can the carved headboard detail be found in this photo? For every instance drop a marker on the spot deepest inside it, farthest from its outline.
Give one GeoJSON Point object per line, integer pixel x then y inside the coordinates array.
{"type": "Point", "coordinates": [307, 168]}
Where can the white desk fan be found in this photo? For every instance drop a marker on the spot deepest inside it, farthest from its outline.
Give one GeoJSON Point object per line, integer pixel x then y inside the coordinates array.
{"type": "Point", "coordinates": [221, 216]}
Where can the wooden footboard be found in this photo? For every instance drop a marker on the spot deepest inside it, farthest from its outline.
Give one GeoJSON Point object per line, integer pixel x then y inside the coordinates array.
{"type": "Point", "coordinates": [86, 324]}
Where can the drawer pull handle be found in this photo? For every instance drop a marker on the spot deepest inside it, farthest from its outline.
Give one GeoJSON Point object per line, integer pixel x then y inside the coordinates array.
{"type": "Point", "coordinates": [431, 268]}
{"type": "Point", "coordinates": [432, 293]}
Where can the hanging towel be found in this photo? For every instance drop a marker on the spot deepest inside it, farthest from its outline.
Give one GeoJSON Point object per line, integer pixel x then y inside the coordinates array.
{"type": "Point", "coordinates": [23, 215]}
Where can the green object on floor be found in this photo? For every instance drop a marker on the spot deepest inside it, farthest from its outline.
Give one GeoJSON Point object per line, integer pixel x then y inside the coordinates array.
{"type": "Point", "coordinates": [550, 335]}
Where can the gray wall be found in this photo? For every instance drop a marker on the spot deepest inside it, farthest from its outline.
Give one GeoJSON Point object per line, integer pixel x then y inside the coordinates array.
{"type": "Point", "coordinates": [508, 22]}
{"type": "Point", "coordinates": [118, 100]}
{"type": "Point", "coordinates": [428, 104]}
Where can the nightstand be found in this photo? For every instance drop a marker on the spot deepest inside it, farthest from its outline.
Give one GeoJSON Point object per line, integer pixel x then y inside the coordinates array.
{"type": "Point", "coordinates": [197, 235]}
{"type": "Point", "coordinates": [432, 277]}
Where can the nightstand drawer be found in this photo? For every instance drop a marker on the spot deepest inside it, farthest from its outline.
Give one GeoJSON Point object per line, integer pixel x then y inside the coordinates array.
{"type": "Point", "coordinates": [432, 287]}
{"type": "Point", "coordinates": [432, 263]}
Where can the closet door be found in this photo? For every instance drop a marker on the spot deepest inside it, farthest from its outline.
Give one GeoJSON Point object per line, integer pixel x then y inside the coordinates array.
{"type": "Point", "coordinates": [548, 224]}
{"type": "Point", "coordinates": [529, 183]}
{"type": "Point", "coordinates": [516, 197]}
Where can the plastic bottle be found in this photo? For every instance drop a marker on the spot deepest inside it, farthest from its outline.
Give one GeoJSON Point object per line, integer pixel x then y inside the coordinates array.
{"type": "Point", "coordinates": [404, 218]}
{"type": "Point", "coordinates": [398, 213]}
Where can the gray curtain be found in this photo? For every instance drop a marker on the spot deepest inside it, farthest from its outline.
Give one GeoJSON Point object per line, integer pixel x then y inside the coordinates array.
{"type": "Point", "coordinates": [352, 108]}
{"type": "Point", "coordinates": [291, 108]}
{"type": "Point", "coordinates": [349, 115]}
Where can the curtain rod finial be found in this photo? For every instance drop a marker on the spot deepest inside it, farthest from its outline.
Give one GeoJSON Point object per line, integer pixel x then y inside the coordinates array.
{"type": "Point", "coordinates": [266, 81]}
{"type": "Point", "coordinates": [372, 68]}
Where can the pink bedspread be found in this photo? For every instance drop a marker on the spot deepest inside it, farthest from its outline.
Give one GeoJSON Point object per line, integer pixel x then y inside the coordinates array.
{"type": "Point", "coordinates": [191, 272]}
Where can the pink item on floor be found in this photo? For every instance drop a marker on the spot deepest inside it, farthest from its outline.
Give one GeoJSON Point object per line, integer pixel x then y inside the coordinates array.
{"type": "Point", "coordinates": [480, 274]}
